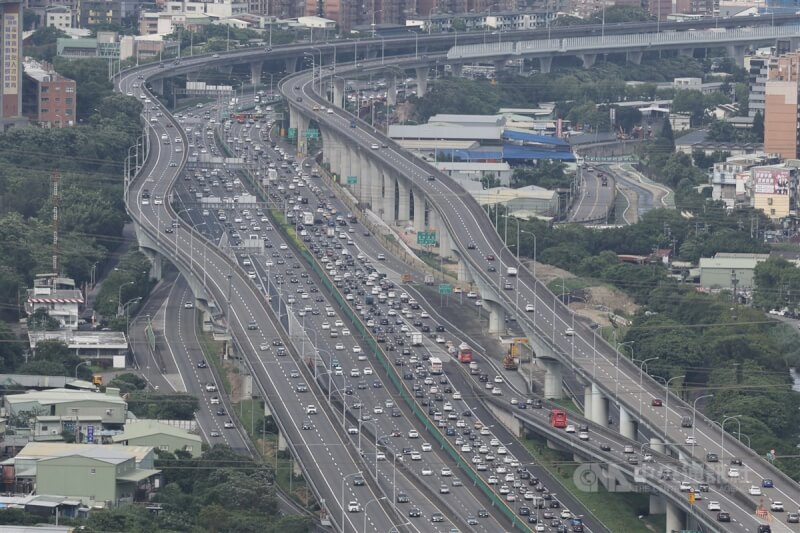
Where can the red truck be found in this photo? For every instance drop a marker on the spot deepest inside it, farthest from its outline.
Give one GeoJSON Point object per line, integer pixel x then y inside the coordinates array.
{"type": "Point", "coordinates": [558, 418]}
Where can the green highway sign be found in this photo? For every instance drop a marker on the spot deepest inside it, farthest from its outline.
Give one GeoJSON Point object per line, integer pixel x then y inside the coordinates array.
{"type": "Point", "coordinates": [445, 288]}
{"type": "Point", "coordinates": [352, 180]}
{"type": "Point", "coordinates": [292, 133]}
{"type": "Point", "coordinates": [312, 134]}
{"type": "Point", "coordinates": [426, 238]}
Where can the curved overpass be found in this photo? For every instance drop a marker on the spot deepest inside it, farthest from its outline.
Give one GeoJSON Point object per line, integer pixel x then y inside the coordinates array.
{"type": "Point", "coordinates": [465, 227]}
{"type": "Point", "coordinates": [385, 171]}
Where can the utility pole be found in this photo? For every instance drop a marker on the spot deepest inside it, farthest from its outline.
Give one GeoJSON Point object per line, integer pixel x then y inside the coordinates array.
{"type": "Point", "coordinates": [229, 318]}
{"type": "Point", "coordinates": [734, 283]}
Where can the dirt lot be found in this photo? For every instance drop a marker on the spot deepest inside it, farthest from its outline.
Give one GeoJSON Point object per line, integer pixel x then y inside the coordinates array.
{"type": "Point", "coordinates": [600, 299]}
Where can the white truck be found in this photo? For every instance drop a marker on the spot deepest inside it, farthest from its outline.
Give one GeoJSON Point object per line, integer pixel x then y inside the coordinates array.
{"type": "Point", "coordinates": [272, 174]}
{"type": "Point", "coordinates": [511, 271]}
{"type": "Point", "coordinates": [416, 338]}
{"type": "Point", "coordinates": [308, 218]}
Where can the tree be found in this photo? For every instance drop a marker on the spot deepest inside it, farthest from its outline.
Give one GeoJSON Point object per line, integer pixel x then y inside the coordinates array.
{"type": "Point", "coordinates": [490, 181]}
{"type": "Point", "coordinates": [546, 174]}
{"type": "Point", "coordinates": [689, 101]}
{"type": "Point", "coordinates": [758, 126]}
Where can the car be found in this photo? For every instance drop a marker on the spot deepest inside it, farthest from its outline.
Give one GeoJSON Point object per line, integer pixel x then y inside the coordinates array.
{"type": "Point", "coordinates": [374, 146]}
{"type": "Point", "coordinates": [733, 472]}
{"type": "Point", "coordinates": [426, 447]}
{"type": "Point", "coordinates": [529, 308]}
{"type": "Point", "coordinates": [427, 471]}
{"type": "Point", "coordinates": [414, 513]}
{"type": "Point", "coordinates": [215, 400]}
{"type": "Point", "coordinates": [627, 449]}
{"type": "Point", "coordinates": [228, 424]}
{"type": "Point", "coordinates": [188, 305]}
{"type": "Point", "coordinates": [657, 402]}
{"type": "Point", "coordinates": [685, 486]}
{"type": "Point", "coordinates": [570, 428]}
{"type": "Point", "coordinates": [437, 517]}
{"type": "Point", "coordinates": [446, 472]}
{"type": "Point", "coordinates": [311, 409]}
{"type": "Point", "coordinates": [168, 230]}
{"type": "Point", "coordinates": [472, 520]}
{"type": "Point", "coordinates": [583, 435]}
{"type": "Point", "coordinates": [767, 483]}
{"type": "Point", "coordinates": [263, 347]}
{"type": "Point", "coordinates": [202, 364]}
{"type": "Point", "coordinates": [359, 481]}
{"type": "Point", "coordinates": [444, 489]}
{"type": "Point", "coordinates": [210, 387]}
{"type": "Point", "coordinates": [353, 507]}
{"type": "Point", "coordinates": [776, 507]}
{"type": "Point", "coordinates": [793, 518]}
{"type": "Point", "coordinates": [569, 332]}
{"type": "Point", "coordinates": [712, 457]}
{"type": "Point", "coordinates": [754, 490]}
{"type": "Point", "coordinates": [690, 440]}
{"type": "Point", "coordinates": [722, 516]}
{"type": "Point", "coordinates": [714, 506]}
{"type": "Point", "coordinates": [413, 434]}
{"type": "Point", "coordinates": [215, 433]}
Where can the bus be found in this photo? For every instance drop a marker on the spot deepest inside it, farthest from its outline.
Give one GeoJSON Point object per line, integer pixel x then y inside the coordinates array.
{"type": "Point", "coordinates": [558, 418]}
{"type": "Point", "coordinates": [436, 365]}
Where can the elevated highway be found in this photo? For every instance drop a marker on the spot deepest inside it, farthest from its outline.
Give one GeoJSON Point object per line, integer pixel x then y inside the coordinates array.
{"type": "Point", "coordinates": [410, 190]}
{"type": "Point", "coordinates": [403, 188]}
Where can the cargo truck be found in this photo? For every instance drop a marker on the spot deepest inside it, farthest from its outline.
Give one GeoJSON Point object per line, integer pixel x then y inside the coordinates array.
{"type": "Point", "coordinates": [308, 218]}
{"type": "Point", "coordinates": [416, 338]}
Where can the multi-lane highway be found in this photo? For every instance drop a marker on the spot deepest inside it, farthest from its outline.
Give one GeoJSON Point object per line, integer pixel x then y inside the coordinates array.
{"type": "Point", "coordinates": [325, 458]}
{"type": "Point", "coordinates": [618, 377]}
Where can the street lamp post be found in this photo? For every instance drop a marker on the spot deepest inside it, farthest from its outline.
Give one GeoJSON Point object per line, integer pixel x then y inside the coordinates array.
{"type": "Point", "coordinates": [416, 44]}
{"type": "Point", "coordinates": [642, 364]}
{"type": "Point", "coordinates": [616, 386]}
{"type": "Point", "coordinates": [394, 473]}
{"type": "Point", "coordinates": [666, 406]}
{"type": "Point", "coordinates": [119, 296]}
{"type": "Point", "coordinates": [365, 510]}
{"type": "Point", "coordinates": [78, 365]}
{"type": "Point", "coordinates": [722, 440]}
{"type": "Point", "coordinates": [694, 412]}
{"type": "Point", "coordinates": [343, 483]}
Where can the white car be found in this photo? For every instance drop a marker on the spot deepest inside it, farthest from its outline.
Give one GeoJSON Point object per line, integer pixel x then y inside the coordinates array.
{"type": "Point", "coordinates": [326, 325]}
{"type": "Point", "coordinates": [413, 434]}
{"type": "Point", "coordinates": [456, 395]}
{"type": "Point", "coordinates": [426, 447]}
{"type": "Point", "coordinates": [427, 471]}
{"type": "Point", "coordinates": [733, 472]}
{"type": "Point", "coordinates": [570, 428]}
{"type": "Point", "coordinates": [569, 332]}
{"type": "Point", "coordinates": [776, 507]}
{"type": "Point", "coordinates": [339, 346]}
{"type": "Point", "coordinates": [311, 410]}
{"type": "Point", "coordinates": [754, 490]}
{"type": "Point", "coordinates": [367, 371]}
{"type": "Point", "coordinates": [529, 308]}
{"type": "Point", "coordinates": [263, 346]}
{"type": "Point", "coordinates": [498, 379]}
{"type": "Point", "coordinates": [496, 391]}
{"type": "Point", "coordinates": [691, 440]}
{"type": "Point", "coordinates": [446, 472]}
{"type": "Point", "coordinates": [714, 506]}
{"type": "Point", "coordinates": [565, 514]}
{"type": "Point", "coordinates": [377, 410]}
{"type": "Point", "coordinates": [215, 400]}
{"type": "Point", "coordinates": [353, 507]}
{"type": "Point", "coordinates": [374, 146]}
{"type": "Point", "coordinates": [356, 349]}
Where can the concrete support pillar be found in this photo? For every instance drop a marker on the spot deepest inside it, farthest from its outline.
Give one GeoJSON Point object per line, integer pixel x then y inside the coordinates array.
{"type": "Point", "coordinates": [587, 401]}
{"type": "Point", "coordinates": [456, 69]}
{"type": "Point", "coordinates": [658, 504]}
{"type": "Point", "coordinates": [599, 406]}
{"type": "Point", "coordinates": [588, 60]}
{"type": "Point", "coordinates": [391, 91]}
{"type": "Point", "coordinates": [158, 86]}
{"type": "Point", "coordinates": [545, 63]}
{"type": "Point", "coordinates": [634, 57]}
{"type": "Point", "coordinates": [499, 64]}
{"type": "Point", "coordinates": [192, 76]}
{"type": "Point", "coordinates": [282, 444]}
{"type": "Point", "coordinates": [419, 211]}
{"type": "Point", "coordinates": [463, 272]}
{"type": "Point", "coordinates": [255, 72]}
{"type": "Point", "coordinates": [552, 379]}
{"type": "Point", "coordinates": [736, 52]}
{"type": "Point", "coordinates": [338, 92]}
{"type": "Point", "coordinates": [657, 445]}
{"type": "Point", "coordinates": [290, 65]}
{"type": "Point", "coordinates": [497, 317]}
{"type": "Point", "coordinates": [627, 426]}
{"type": "Point", "coordinates": [300, 123]}
{"type": "Point", "coordinates": [403, 201]}
{"type": "Point", "coordinates": [388, 192]}
{"type": "Point", "coordinates": [686, 52]}
{"type": "Point", "coordinates": [443, 238]}
{"type": "Point", "coordinates": [366, 181]}
{"type": "Point", "coordinates": [422, 81]}
{"type": "Point", "coordinates": [675, 517]}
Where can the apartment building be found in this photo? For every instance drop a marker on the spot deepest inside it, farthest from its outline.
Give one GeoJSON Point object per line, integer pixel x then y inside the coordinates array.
{"type": "Point", "coordinates": [781, 106]}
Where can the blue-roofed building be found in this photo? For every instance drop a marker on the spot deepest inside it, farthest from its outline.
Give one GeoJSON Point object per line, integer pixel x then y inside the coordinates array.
{"type": "Point", "coordinates": [479, 139]}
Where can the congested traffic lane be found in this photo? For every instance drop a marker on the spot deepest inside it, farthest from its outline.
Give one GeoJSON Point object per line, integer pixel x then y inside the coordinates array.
{"type": "Point", "coordinates": [325, 458]}
{"type": "Point", "coordinates": [347, 369]}
{"type": "Point", "coordinates": [550, 318]}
